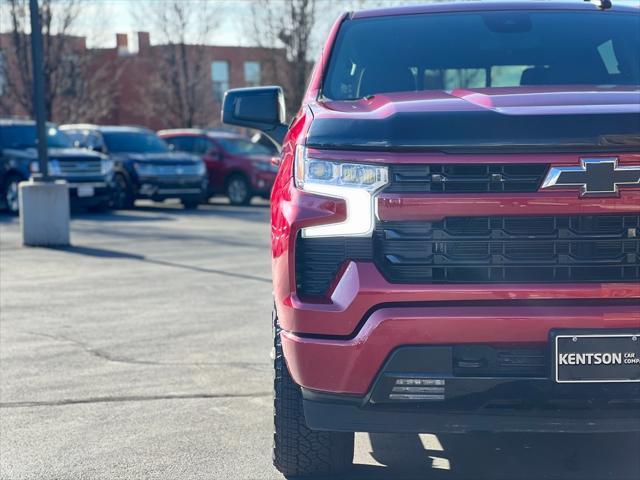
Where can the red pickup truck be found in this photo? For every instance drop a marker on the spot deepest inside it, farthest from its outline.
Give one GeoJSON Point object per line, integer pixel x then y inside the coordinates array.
{"type": "Point", "coordinates": [456, 227]}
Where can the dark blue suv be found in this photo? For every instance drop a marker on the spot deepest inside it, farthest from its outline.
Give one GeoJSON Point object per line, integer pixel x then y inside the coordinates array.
{"type": "Point", "coordinates": [144, 166]}
{"type": "Point", "coordinates": [89, 174]}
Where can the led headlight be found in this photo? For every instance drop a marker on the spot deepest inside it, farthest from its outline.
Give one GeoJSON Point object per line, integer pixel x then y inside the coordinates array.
{"type": "Point", "coordinates": [145, 169]}
{"type": "Point", "coordinates": [200, 168]}
{"type": "Point", "coordinates": [356, 183]}
{"type": "Point", "coordinates": [53, 167]}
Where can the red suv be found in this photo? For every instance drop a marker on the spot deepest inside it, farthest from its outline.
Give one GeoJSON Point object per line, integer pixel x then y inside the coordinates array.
{"type": "Point", "coordinates": [456, 227]}
{"type": "Point", "coordinates": [238, 167]}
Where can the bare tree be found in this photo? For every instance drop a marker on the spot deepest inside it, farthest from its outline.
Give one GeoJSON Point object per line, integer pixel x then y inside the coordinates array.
{"type": "Point", "coordinates": [179, 80]}
{"type": "Point", "coordinates": [89, 91]}
{"type": "Point", "coordinates": [56, 39]}
{"type": "Point", "coordinates": [288, 25]}
{"type": "Point", "coordinates": [76, 87]}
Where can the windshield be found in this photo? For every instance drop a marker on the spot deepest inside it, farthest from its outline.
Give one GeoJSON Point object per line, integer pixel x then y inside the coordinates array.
{"type": "Point", "coordinates": [134, 142]}
{"type": "Point", "coordinates": [24, 136]}
{"type": "Point", "coordinates": [483, 50]}
{"type": "Point", "coordinates": [240, 146]}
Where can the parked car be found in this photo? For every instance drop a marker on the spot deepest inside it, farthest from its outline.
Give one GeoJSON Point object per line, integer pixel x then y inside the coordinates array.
{"type": "Point", "coordinates": [238, 167]}
{"type": "Point", "coordinates": [144, 165]}
{"type": "Point", "coordinates": [89, 174]}
{"type": "Point", "coordinates": [455, 227]}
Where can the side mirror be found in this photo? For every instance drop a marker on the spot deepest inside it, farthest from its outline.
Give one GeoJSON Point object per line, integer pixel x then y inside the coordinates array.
{"type": "Point", "coordinates": [261, 108]}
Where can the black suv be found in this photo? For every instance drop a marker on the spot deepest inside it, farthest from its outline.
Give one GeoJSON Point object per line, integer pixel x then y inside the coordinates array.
{"type": "Point", "coordinates": [89, 174]}
{"type": "Point", "coordinates": [144, 165]}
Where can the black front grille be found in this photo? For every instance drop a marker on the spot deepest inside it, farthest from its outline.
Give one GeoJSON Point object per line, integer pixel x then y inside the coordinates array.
{"type": "Point", "coordinates": [545, 249]}
{"type": "Point", "coordinates": [510, 249]}
{"type": "Point", "coordinates": [465, 178]}
{"type": "Point", "coordinates": [80, 167]}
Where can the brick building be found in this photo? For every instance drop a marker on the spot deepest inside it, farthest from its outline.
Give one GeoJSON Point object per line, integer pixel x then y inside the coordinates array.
{"type": "Point", "coordinates": [140, 83]}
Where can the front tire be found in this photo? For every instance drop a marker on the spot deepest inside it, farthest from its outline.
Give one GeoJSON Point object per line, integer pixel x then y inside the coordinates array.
{"type": "Point", "coordinates": [122, 193]}
{"type": "Point", "coordinates": [10, 193]}
{"type": "Point", "coordinates": [298, 450]}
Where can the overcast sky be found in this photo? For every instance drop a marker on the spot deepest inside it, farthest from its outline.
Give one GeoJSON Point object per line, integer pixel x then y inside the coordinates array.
{"type": "Point", "coordinates": [118, 16]}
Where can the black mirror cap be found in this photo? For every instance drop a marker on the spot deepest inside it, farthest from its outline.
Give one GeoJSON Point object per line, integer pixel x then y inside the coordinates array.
{"type": "Point", "coordinates": [261, 108]}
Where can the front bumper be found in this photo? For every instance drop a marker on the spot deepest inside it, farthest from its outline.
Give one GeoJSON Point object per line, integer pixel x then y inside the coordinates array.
{"type": "Point", "coordinates": [101, 194]}
{"type": "Point", "coordinates": [159, 189]}
{"type": "Point", "coordinates": [349, 365]}
{"type": "Point", "coordinates": [334, 414]}
{"type": "Point", "coordinates": [455, 401]}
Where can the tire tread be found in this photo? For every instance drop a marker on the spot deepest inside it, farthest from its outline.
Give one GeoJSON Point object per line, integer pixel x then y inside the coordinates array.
{"type": "Point", "coordinates": [298, 450]}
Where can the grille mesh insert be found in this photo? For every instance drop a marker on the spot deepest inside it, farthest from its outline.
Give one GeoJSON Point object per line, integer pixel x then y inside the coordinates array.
{"type": "Point", "coordinates": [465, 178]}
{"type": "Point", "coordinates": [545, 249]}
{"type": "Point", "coordinates": [510, 249]}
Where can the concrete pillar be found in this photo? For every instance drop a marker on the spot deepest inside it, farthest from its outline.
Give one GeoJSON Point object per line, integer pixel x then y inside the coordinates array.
{"type": "Point", "coordinates": [44, 213]}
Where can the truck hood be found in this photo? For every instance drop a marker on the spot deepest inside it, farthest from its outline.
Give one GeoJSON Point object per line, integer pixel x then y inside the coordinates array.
{"type": "Point", "coordinates": [496, 119]}
{"type": "Point", "coordinates": [54, 154]}
{"type": "Point", "coordinates": [169, 158]}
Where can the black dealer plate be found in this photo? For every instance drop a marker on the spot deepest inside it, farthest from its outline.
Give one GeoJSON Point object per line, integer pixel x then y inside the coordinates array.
{"type": "Point", "coordinates": [595, 357]}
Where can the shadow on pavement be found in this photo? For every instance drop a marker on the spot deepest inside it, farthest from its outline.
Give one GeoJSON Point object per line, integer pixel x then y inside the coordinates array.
{"type": "Point", "coordinates": [98, 252]}
{"type": "Point", "coordinates": [484, 456]}
{"type": "Point", "coordinates": [119, 216]}
{"type": "Point", "coordinates": [115, 254]}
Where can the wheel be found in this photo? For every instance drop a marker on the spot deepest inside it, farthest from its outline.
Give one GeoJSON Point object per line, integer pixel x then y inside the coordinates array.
{"type": "Point", "coordinates": [190, 204]}
{"type": "Point", "coordinates": [122, 192]}
{"type": "Point", "coordinates": [238, 190]}
{"type": "Point", "coordinates": [298, 450]}
{"type": "Point", "coordinates": [11, 193]}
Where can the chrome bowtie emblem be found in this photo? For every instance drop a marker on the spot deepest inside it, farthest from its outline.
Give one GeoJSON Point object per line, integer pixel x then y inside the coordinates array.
{"type": "Point", "coordinates": [595, 176]}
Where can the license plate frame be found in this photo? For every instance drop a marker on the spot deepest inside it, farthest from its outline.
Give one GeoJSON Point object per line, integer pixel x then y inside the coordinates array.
{"type": "Point", "coordinates": [585, 339]}
{"type": "Point", "coordinates": [85, 191]}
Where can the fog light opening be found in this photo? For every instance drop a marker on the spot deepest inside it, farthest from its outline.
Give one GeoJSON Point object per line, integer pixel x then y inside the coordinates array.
{"type": "Point", "coordinates": [412, 389]}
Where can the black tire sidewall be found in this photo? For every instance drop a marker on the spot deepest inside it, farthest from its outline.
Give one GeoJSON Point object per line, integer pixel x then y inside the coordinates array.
{"type": "Point", "coordinates": [12, 178]}
{"type": "Point", "coordinates": [122, 195]}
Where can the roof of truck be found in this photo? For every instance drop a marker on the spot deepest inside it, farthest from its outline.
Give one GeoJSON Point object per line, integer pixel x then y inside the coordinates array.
{"type": "Point", "coordinates": [488, 6]}
{"type": "Point", "coordinates": [6, 121]}
{"type": "Point", "coordinates": [104, 128]}
{"type": "Point", "coordinates": [200, 131]}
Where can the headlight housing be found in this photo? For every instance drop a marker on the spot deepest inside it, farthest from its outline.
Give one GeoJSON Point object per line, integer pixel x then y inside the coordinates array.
{"type": "Point", "coordinates": [201, 168]}
{"type": "Point", "coordinates": [356, 183]}
{"type": "Point", "coordinates": [53, 167]}
{"type": "Point", "coordinates": [144, 169]}
{"type": "Point", "coordinates": [106, 166]}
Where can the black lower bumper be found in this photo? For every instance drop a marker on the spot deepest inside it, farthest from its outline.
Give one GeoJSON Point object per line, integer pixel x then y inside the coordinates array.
{"type": "Point", "coordinates": [101, 195]}
{"type": "Point", "coordinates": [475, 388]}
{"type": "Point", "coordinates": [159, 189]}
{"type": "Point", "coordinates": [338, 416]}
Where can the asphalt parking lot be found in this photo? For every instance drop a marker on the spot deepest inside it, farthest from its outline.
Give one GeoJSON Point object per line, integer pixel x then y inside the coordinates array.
{"type": "Point", "coordinates": [143, 352]}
